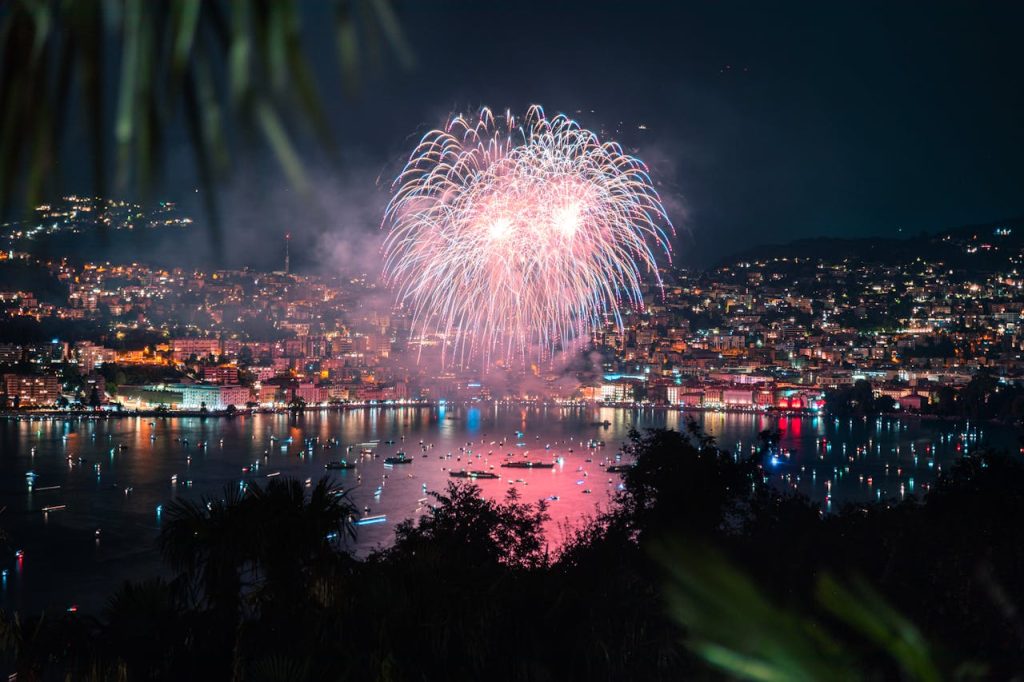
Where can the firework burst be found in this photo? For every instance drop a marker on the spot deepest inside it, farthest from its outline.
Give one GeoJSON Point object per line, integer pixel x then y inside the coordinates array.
{"type": "Point", "coordinates": [514, 238]}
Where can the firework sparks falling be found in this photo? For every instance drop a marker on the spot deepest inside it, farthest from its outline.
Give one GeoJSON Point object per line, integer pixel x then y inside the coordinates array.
{"type": "Point", "coordinates": [513, 238]}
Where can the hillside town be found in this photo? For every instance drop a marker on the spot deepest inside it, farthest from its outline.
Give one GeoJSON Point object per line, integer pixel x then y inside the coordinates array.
{"type": "Point", "coordinates": [771, 332]}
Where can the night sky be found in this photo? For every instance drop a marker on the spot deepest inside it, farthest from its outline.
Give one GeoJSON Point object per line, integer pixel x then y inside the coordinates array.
{"type": "Point", "coordinates": [764, 123]}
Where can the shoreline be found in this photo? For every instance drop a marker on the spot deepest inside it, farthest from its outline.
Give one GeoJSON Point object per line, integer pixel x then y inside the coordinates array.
{"type": "Point", "coordinates": [52, 413]}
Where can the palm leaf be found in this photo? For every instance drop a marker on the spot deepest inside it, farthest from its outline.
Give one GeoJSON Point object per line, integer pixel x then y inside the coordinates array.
{"type": "Point", "coordinates": [172, 56]}
{"type": "Point", "coordinates": [732, 626]}
{"type": "Point", "coordinates": [735, 628]}
{"type": "Point", "coordinates": [868, 613]}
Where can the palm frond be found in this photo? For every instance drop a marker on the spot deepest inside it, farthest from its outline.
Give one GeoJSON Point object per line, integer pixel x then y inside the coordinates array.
{"type": "Point", "coordinates": [735, 628]}
{"type": "Point", "coordinates": [212, 66]}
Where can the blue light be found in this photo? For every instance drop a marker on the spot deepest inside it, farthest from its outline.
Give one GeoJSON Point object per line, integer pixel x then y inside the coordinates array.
{"type": "Point", "coordinates": [614, 377]}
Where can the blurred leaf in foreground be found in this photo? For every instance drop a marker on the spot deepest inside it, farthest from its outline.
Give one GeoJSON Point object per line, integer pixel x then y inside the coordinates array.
{"type": "Point", "coordinates": [735, 628]}
{"type": "Point", "coordinates": [128, 72]}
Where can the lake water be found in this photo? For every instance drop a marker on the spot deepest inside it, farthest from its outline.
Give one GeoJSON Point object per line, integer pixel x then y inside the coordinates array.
{"type": "Point", "coordinates": [131, 467]}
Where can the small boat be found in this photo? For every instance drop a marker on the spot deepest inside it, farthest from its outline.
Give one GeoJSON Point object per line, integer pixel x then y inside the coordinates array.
{"type": "Point", "coordinates": [473, 474]}
{"type": "Point", "coordinates": [528, 465]}
{"type": "Point", "coordinates": [619, 468]}
{"type": "Point", "coordinates": [400, 458]}
{"type": "Point", "coordinates": [604, 423]}
{"type": "Point", "coordinates": [366, 451]}
{"type": "Point", "coordinates": [331, 466]}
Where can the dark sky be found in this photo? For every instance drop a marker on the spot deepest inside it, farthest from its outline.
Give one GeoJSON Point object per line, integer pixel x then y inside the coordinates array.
{"type": "Point", "coordinates": [765, 121]}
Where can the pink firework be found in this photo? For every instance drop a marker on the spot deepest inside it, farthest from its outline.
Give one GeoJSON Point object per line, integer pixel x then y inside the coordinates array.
{"type": "Point", "coordinates": [510, 239]}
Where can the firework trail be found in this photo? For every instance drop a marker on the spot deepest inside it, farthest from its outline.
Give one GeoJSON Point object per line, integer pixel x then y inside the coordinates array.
{"type": "Point", "coordinates": [512, 238]}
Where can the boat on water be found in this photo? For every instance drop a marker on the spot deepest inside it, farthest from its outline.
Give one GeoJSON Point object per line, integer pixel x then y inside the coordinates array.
{"type": "Point", "coordinates": [619, 468]}
{"type": "Point", "coordinates": [367, 520]}
{"type": "Point", "coordinates": [366, 451]}
{"type": "Point", "coordinates": [473, 474]}
{"type": "Point", "coordinates": [400, 458]}
{"type": "Point", "coordinates": [528, 465]}
{"type": "Point", "coordinates": [339, 465]}
{"type": "Point", "coordinates": [604, 423]}
{"type": "Point", "coordinates": [594, 443]}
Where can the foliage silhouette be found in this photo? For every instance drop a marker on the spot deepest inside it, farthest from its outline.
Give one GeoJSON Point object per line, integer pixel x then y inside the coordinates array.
{"type": "Point", "coordinates": [700, 569]}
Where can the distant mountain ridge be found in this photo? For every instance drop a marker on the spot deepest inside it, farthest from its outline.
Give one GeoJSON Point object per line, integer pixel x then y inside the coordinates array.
{"type": "Point", "coordinates": [986, 245]}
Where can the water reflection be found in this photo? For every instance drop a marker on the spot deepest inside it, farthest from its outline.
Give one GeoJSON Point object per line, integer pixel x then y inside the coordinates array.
{"type": "Point", "coordinates": [117, 476]}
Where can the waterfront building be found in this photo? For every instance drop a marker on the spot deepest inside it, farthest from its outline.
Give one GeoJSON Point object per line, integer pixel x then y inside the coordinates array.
{"type": "Point", "coordinates": [738, 397]}
{"type": "Point", "coordinates": [212, 396]}
{"type": "Point", "coordinates": [147, 397]}
{"type": "Point", "coordinates": [31, 390]}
